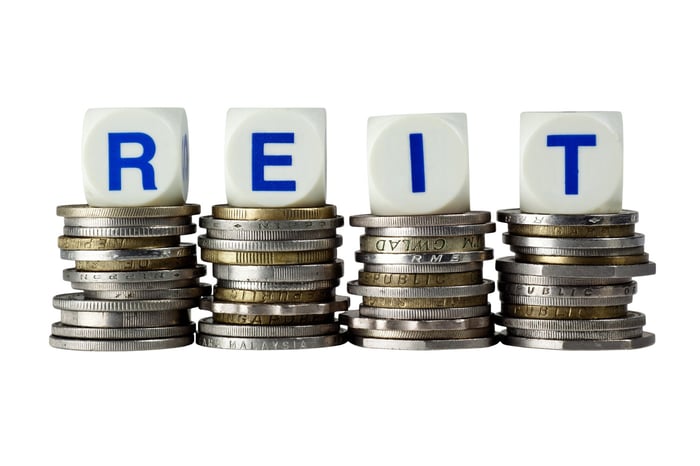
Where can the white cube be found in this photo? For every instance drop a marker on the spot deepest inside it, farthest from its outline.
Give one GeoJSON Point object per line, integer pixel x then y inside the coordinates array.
{"type": "Point", "coordinates": [571, 162]}
{"type": "Point", "coordinates": [275, 157]}
{"type": "Point", "coordinates": [418, 164]}
{"type": "Point", "coordinates": [135, 157]}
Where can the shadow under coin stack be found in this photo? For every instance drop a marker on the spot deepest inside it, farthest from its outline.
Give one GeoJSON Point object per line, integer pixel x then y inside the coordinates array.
{"type": "Point", "coordinates": [570, 281]}
{"type": "Point", "coordinates": [276, 271]}
{"type": "Point", "coordinates": [421, 283]}
{"type": "Point", "coordinates": [138, 282]}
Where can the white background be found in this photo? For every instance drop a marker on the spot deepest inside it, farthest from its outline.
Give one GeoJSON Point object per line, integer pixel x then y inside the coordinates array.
{"type": "Point", "coordinates": [345, 405]}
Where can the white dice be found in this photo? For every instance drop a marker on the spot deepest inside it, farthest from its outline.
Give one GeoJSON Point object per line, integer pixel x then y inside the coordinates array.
{"type": "Point", "coordinates": [571, 162]}
{"type": "Point", "coordinates": [135, 157]}
{"type": "Point", "coordinates": [275, 157]}
{"type": "Point", "coordinates": [418, 164]}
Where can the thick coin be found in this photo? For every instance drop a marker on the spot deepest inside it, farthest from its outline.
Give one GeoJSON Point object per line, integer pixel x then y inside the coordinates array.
{"type": "Point", "coordinates": [270, 235]}
{"type": "Point", "coordinates": [424, 334]}
{"type": "Point", "coordinates": [634, 241]}
{"type": "Point", "coordinates": [355, 321]}
{"type": "Point", "coordinates": [394, 344]}
{"type": "Point", "coordinates": [209, 327]}
{"type": "Point", "coordinates": [278, 286]}
{"type": "Point", "coordinates": [630, 320]}
{"type": "Point", "coordinates": [73, 275]}
{"type": "Point", "coordinates": [257, 320]}
{"type": "Point", "coordinates": [400, 221]}
{"type": "Point", "coordinates": [226, 212]}
{"type": "Point", "coordinates": [339, 303]}
{"type": "Point", "coordinates": [428, 258]}
{"type": "Point", "coordinates": [137, 265]}
{"type": "Point", "coordinates": [208, 221]}
{"type": "Point", "coordinates": [570, 260]}
{"type": "Point", "coordinates": [138, 212]}
{"type": "Point", "coordinates": [517, 250]}
{"type": "Point", "coordinates": [270, 246]}
{"type": "Point", "coordinates": [420, 279]}
{"type": "Point", "coordinates": [417, 244]}
{"type": "Point", "coordinates": [509, 265]}
{"type": "Point", "coordinates": [485, 287]}
{"type": "Point", "coordinates": [427, 303]}
{"type": "Point", "coordinates": [647, 339]}
{"type": "Point", "coordinates": [513, 278]}
{"type": "Point", "coordinates": [447, 230]}
{"type": "Point", "coordinates": [120, 345]}
{"type": "Point", "coordinates": [423, 268]}
{"type": "Point", "coordinates": [267, 258]}
{"type": "Point", "coordinates": [119, 222]}
{"type": "Point", "coordinates": [135, 286]}
{"type": "Point", "coordinates": [516, 216]}
{"type": "Point", "coordinates": [280, 273]}
{"type": "Point", "coordinates": [548, 291]}
{"type": "Point", "coordinates": [425, 314]}
{"type": "Point", "coordinates": [121, 319]}
{"type": "Point", "coordinates": [171, 293]}
{"type": "Point", "coordinates": [293, 343]}
{"type": "Point", "coordinates": [563, 312]}
{"type": "Point", "coordinates": [59, 329]}
{"type": "Point", "coordinates": [590, 301]}
{"type": "Point", "coordinates": [71, 242]}
{"type": "Point", "coordinates": [290, 296]}
{"type": "Point", "coordinates": [570, 231]}
{"type": "Point", "coordinates": [78, 302]}
{"type": "Point", "coordinates": [576, 335]}
{"type": "Point", "coordinates": [130, 232]}
{"type": "Point", "coordinates": [183, 250]}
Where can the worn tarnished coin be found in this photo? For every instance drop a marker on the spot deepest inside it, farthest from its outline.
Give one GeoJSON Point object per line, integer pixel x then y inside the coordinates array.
{"type": "Point", "coordinates": [270, 235]}
{"type": "Point", "coordinates": [130, 232]}
{"type": "Point", "coordinates": [355, 321]}
{"type": "Point", "coordinates": [290, 296]}
{"type": "Point", "coordinates": [59, 329]}
{"type": "Point", "coordinates": [119, 222]}
{"type": "Point", "coordinates": [273, 213]}
{"type": "Point", "coordinates": [183, 250]}
{"type": "Point", "coordinates": [630, 320]}
{"type": "Point", "coordinates": [400, 221]}
{"type": "Point", "coordinates": [420, 279]}
{"type": "Point", "coordinates": [208, 221]}
{"type": "Point", "coordinates": [413, 244]}
{"type": "Point", "coordinates": [425, 314]}
{"type": "Point", "coordinates": [280, 273]}
{"type": "Point", "coordinates": [647, 339]}
{"type": "Point", "coordinates": [394, 344]}
{"type": "Point", "coordinates": [426, 258]}
{"type": "Point", "coordinates": [71, 242]}
{"type": "Point", "coordinates": [571, 231]}
{"type": "Point", "coordinates": [84, 210]}
{"type": "Point", "coordinates": [423, 268]}
{"type": "Point", "coordinates": [591, 301]}
{"type": "Point", "coordinates": [209, 327]}
{"type": "Point", "coordinates": [634, 241]}
{"type": "Point", "coordinates": [120, 345]}
{"type": "Point", "coordinates": [485, 287]}
{"type": "Point", "coordinates": [424, 334]}
{"type": "Point", "coordinates": [267, 258]}
{"type": "Point", "coordinates": [137, 265]}
{"type": "Point", "coordinates": [339, 303]}
{"type": "Point", "coordinates": [270, 246]}
{"type": "Point", "coordinates": [560, 291]}
{"type": "Point", "coordinates": [510, 265]}
{"type": "Point", "coordinates": [563, 312]}
{"type": "Point", "coordinates": [516, 216]}
{"type": "Point", "coordinates": [572, 260]}
{"type": "Point", "coordinates": [255, 320]}
{"type": "Point", "coordinates": [278, 286]}
{"type": "Point", "coordinates": [203, 289]}
{"type": "Point", "coordinates": [74, 275]}
{"type": "Point", "coordinates": [427, 303]}
{"type": "Point", "coordinates": [79, 302]}
{"type": "Point", "coordinates": [292, 343]}
{"type": "Point", "coordinates": [447, 230]}
{"type": "Point", "coordinates": [576, 334]}
{"type": "Point", "coordinates": [128, 319]}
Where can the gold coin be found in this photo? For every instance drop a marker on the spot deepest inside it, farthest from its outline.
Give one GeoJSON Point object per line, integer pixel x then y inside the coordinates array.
{"type": "Point", "coordinates": [576, 260]}
{"type": "Point", "coordinates": [420, 244]}
{"type": "Point", "coordinates": [563, 312]}
{"type": "Point", "coordinates": [572, 231]}
{"type": "Point", "coordinates": [141, 264]}
{"type": "Point", "coordinates": [424, 334]}
{"type": "Point", "coordinates": [425, 303]}
{"type": "Point", "coordinates": [95, 243]}
{"type": "Point", "coordinates": [273, 297]}
{"type": "Point", "coordinates": [267, 258]}
{"type": "Point", "coordinates": [225, 212]}
{"type": "Point", "coordinates": [420, 279]}
{"type": "Point", "coordinates": [247, 319]}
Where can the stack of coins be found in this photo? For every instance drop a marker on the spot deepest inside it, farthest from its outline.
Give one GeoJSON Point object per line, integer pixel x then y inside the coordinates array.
{"type": "Point", "coordinates": [570, 282]}
{"type": "Point", "coordinates": [138, 282]}
{"type": "Point", "coordinates": [276, 272]}
{"type": "Point", "coordinates": [421, 283]}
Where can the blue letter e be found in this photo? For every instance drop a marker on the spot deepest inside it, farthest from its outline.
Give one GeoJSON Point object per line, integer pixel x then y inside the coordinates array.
{"type": "Point", "coordinates": [117, 162]}
{"type": "Point", "coordinates": [260, 161]}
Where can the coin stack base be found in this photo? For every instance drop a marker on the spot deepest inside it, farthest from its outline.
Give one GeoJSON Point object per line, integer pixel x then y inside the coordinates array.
{"type": "Point", "coordinates": [569, 284]}
{"type": "Point", "coordinates": [276, 271]}
{"type": "Point", "coordinates": [421, 284]}
{"type": "Point", "coordinates": [137, 282]}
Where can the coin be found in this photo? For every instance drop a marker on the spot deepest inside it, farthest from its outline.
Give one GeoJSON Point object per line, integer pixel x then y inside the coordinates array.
{"type": "Point", "coordinates": [267, 258]}
{"type": "Point", "coordinates": [427, 303]}
{"type": "Point", "coordinates": [486, 286]}
{"type": "Point", "coordinates": [128, 319]}
{"type": "Point", "coordinates": [169, 293]}
{"type": "Point", "coordinates": [427, 258]}
{"type": "Point", "coordinates": [270, 246]}
{"type": "Point", "coordinates": [416, 244]}
{"type": "Point", "coordinates": [564, 301]}
{"type": "Point", "coordinates": [516, 216]}
{"type": "Point", "coordinates": [120, 345]}
{"type": "Point", "coordinates": [136, 265]}
{"type": "Point", "coordinates": [601, 231]}
{"type": "Point", "coordinates": [630, 320]}
{"type": "Point", "coordinates": [588, 252]}
{"type": "Point", "coordinates": [394, 344]}
{"type": "Point", "coordinates": [355, 321]}
{"type": "Point", "coordinates": [73, 275]}
{"type": "Point", "coordinates": [563, 312]}
{"type": "Point", "coordinates": [424, 334]}
{"type": "Point", "coordinates": [118, 222]}
{"type": "Point", "coordinates": [647, 339]}
{"type": "Point", "coordinates": [278, 286]}
{"type": "Point", "coordinates": [208, 221]}
{"type": "Point", "coordinates": [423, 268]}
{"type": "Point", "coordinates": [549, 291]}
{"type": "Point", "coordinates": [634, 241]}
{"type": "Point", "coordinates": [280, 273]}
{"type": "Point", "coordinates": [253, 320]}
{"type": "Point", "coordinates": [400, 221]}
{"type": "Point", "coordinates": [576, 335]}
{"type": "Point", "coordinates": [432, 230]}
{"type": "Point", "coordinates": [270, 235]}
{"type": "Point", "coordinates": [425, 314]}
{"type": "Point", "coordinates": [79, 302]}
{"type": "Point", "coordinates": [420, 279]}
{"type": "Point", "coordinates": [130, 232]}
{"type": "Point", "coordinates": [135, 286]}
{"type": "Point", "coordinates": [509, 265]}
{"type": "Point", "coordinates": [59, 329]}
{"type": "Point", "coordinates": [69, 242]}
{"type": "Point", "coordinates": [568, 260]}
{"type": "Point", "coordinates": [84, 210]}
{"type": "Point", "coordinates": [339, 303]}
{"type": "Point", "coordinates": [272, 213]}
{"type": "Point", "coordinates": [183, 250]}
{"type": "Point", "coordinates": [558, 281]}
{"type": "Point", "coordinates": [290, 296]}
{"type": "Point", "coordinates": [322, 341]}
{"type": "Point", "coordinates": [209, 327]}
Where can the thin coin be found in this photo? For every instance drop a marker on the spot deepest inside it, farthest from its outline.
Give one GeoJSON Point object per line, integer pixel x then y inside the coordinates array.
{"type": "Point", "coordinates": [209, 327]}
{"type": "Point", "coordinates": [130, 232]}
{"type": "Point", "coordinates": [339, 303]}
{"type": "Point", "coordinates": [270, 235]}
{"type": "Point", "coordinates": [119, 222]}
{"type": "Point", "coordinates": [424, 334]}
{"type": "Point", "coordinates": [278, 286]}
{"type": "Point", "coordinates": [576, 335]}
{"type": "Point", "coordinates": [129, 319]}
{"type": "Point", "coordinates": [273, 213]}
{"type": "Point", "coordinates": [516, 216]}
{"type": "Point", "coordinates": [394, 344]}
{"type": "Point", "coordinates": [183, 250]}
{"type": "Point", "coordinates": [280, 273]}
{"type": "Point", "coordinates": [423, 268]}
{"type": "Point", "coordinates": [647, 339]}
{"type": "Point", "coordinates": [563, 312]}
{"type": "Point", "coordinates": [569, 260]}
{"type": "Point", "coordinates": [120, 345]}
{"type": "Point", "coordinates": [599, 231]}
{"type": "Point", "coordinates": [634, 241]}
{"type": "Point", "coordinates": [403, 245]}
{"type": "Point", "coordinates": [322, 341]}
{"type": "Point", "coordinates": [290, 296]}
{"type": "Point", "coordinates": [485, 287]}
{"type": "Point", "coordinates": [589, 252]}
{"type": "Point", "coordinates": [70, 242]}
{"type": "Point", "coordinates": [270, 246]}
{"type": "Point", "coordinates": [135, 286]}
{"type": "Point", "coordinates": [400, 221]}
{"type": "Point", "coordinates": [427, 303]}
{"type": "Point", "coordinates": [559, 291]}
{"type": "Point", "coordinates": [420, 279]}
{"type": "Point", "coordinates": [61, 330]}
{"type": "Point", "coordinates": [208, 221]}
{"type": "Point", "coordinates": [425, 314]}
{"type": "Point", "coordinates": [447, 230]}
{"type": "Point", "coordinates": [137, 265]}
{"type": "Point", "coordinates": [79, 302]}
{"type": "Point", "coordinates": [84, 210]}
{"type": "Point", "coordinates": [267, 258]}
{"type": "Point", "coordinates": [355, 321]}
{"type": "Point", "coordinates": [509, 265]}
{"type": "Point", "coordinates": [587, 301]}
{"type": "Point", "coordinates": [73, 275]}
{"type": "Point", "coordinates": [558, 281]}
{"type": "Point", "coordinates": [630, 320]}
{"type": "Point", "coordinates": [171, 293]}
{"type": "Point", "coordinates": [251, 320]}
{"type": "Point", "coordinates": [427, 258]}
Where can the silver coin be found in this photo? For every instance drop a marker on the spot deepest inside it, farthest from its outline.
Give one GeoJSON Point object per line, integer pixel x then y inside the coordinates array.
{"type": "Point", "coordinates": [185, 249]}
{"type": "Point", "coordinates": [574, 243]}
{"type": "Point", "coordinates": [394, 344]}
{"type": "Point", "coordinates": [278, 286]}
{"type": "Point", "coordinates": [84, 210]}
{"type": "Point", "coordinates": [120, 345]}
{"type": "Point", "coordinates": [207, 221]}
{"type": "Point", "coordinates": [509, 265]}
{"type": "Point", "coordinates": [487, 286]}
{"type": "Point", "coordinates": [130, 232]}
{"type": "Point", "coordinates": [429, 258]}
{"type": "Point", "coordinates": [480, 332]}
{"type": "Point", "coordinates": [270, 246]}
{"type": "Point", "coordinates": [578, 252]}
{"type": "Point", "coordinates": [118, 222]}
{"type": "Point", "coordinates": [516, 216]}
{"type": "Point", "coordinates": [203, 289]}
{"type": "Point", "coordinates": [76, 276]}
{"type": "Point", "coordinates": [631, 320]}
{"type": "Point", "coordinates": [446, 230]}
{"type": "Point", "coordinates": [647, 339]}
{"type": "Point", "coordinates": [130, 319]}
{"type": "Point", "coordinates": [270, 235]}
{"type": "Point", "coordinates": [576, 335]}
{"type": "Point", "coordinates": [400, 221]}
{"type": "Point", "coordinates": [563, 281]}
{"type": "Point", "coordinates": [291, 343]}
{"type": "Point", "coordinates": [354, 320]}
{"type": "Point", "coordinates": [209, 327]}
{"type": "Point", "coordinates": [280, 273]}
{"type": "Point", "coordinates": [134, 286]}
{"type": "Point", "coordinates": [423, 268]}
{"type": "Point", "coordinates": [564, 301]}
{"type": "Point", "coordinates": [338, 304]}
{"type": "Point", "coordinates": [425, 314]}
{"type": "Point", "coordinates": [78, 302]}
{"type": "Point", "coordinates": [558, 291]}
{"type": "Point", "coordinates": [59, 329]}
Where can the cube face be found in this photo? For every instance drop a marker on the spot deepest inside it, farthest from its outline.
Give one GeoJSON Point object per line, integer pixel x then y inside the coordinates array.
{"type": "Point", "coordinates": [571, 162]}
{"type": "Point", "coordinates": [418, 164]}
{"type": "Point", "coordinates": [275, 157]}
{"type": "Point", "coordinates": [135, 157]}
